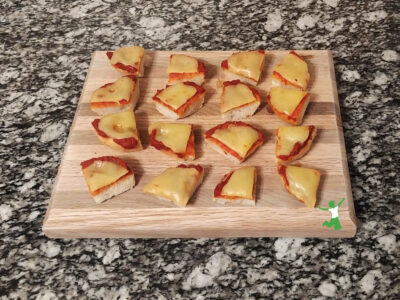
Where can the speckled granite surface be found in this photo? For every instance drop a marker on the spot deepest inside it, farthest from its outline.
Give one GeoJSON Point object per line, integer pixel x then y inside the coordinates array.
{"type": "Point", "coordinates": [45, 52]}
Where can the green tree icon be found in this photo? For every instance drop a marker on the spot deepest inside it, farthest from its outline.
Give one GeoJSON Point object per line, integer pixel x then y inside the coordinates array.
{"type": "Point", "coordinates": [334, 210]}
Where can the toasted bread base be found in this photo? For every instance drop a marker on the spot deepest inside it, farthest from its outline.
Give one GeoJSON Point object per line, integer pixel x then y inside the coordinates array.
{"type": "Point", "coordinates": [102, 111]}
{"type": "Point", "coordinates": [242, 201]}
{"type": "Point", "coordinates": [121, 185]}
{"type": "Point", "coordinates": [226, 75]}
{"type": "Point", "coordinates": [242, 112]}
{"type": "Point", "coordinates": [173, 115]}
{"type": "Point", "coordinates": [302, 151]}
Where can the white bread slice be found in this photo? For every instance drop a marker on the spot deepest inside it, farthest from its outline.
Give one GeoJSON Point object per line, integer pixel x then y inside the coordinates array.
{"type": "Point", "coordinates": [241, 201]}
{"type": "Point", "coordinates": [173, 115]}
{"type": "Point", "coordinates": [241, 112]}
{"type": "Point", "coordinates": [216, 147]}
{"type": "Point", "coordinates": [102, 111]}
{"type": "Point", "coordinates": [119, 187]}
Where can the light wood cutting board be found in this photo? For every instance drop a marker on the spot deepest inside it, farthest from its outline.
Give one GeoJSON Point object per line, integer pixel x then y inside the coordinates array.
{"type": "Point", "coordinates": [72, 213]}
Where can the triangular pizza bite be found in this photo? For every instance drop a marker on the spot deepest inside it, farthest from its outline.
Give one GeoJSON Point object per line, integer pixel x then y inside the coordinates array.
{"type": "Point", "coordinates": [293, 142]}
{"type": "Point", "coordinates": [118, 131]}
{"type": "Point", "coordinates": [174, 139]}
{"type": "Point", "coordinates": [301, 182]}
{"type": "Point", "coordinates": [179, 100]}
{"type": "Point", "coordinates": [128, 60]}
{"type": "Point", "coordinates": [116, 96]}
{"type": "Point", "coordinates": [183, 68]}
{"type": "Point", "coordinates": [176, 184]}
{"type": "Point", "coordinates": [238, 100]}
{"type": "Point", "coordinates": [234, 139]}
{"type": "Point", "coordinates": [288, 104]}
{"type": "Point", "coordinates": [291, 72]}
{"type": "Point", "coordinates": [246, 66]}
{"type": "Point", "coordinates": [106, 177]}
{"type": "Point", "coordinates": [237, 186]}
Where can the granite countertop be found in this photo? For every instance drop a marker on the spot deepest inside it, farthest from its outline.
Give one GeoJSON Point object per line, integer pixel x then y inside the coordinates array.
{"type": "Point", "coordinates": [45, 53]}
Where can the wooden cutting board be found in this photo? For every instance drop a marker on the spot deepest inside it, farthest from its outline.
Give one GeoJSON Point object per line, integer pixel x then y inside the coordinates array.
{"type": "Point", "coordinates": [72, 213]}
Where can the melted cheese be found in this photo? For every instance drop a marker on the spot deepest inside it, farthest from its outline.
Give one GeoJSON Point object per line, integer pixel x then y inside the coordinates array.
{"type": "Point", "coordinates": [288, 136]}
{"type": "Point", "coordinates": [294, 70]}
{"type": "Point", "coordinates": [240, 184]}
{"type": "Point", "coordinates": [102, 173]}
{"type": "Point", "coordinates": [180, 63]}
{"type": "Point", "coordinates": [130, 56]}
{"type": "Point", "coordinates": [119, 125]}
{"type": "Point", "coordinates": [235, 96]}
{"type": "Point", "coordinates": [238, 138]}
{"type": "Point", "coordinates": [303, 183]}
{"type": "Point", "coordinates": [118, 90]}
{"type": "Point", "coordinates": [247, 63]}
{"type": "Point", "coordinates": [286, 100]}
{"type": "Point", "coordinates": [173, 135]}
{"type": "Point", "coordinates": [175, 184]}
{"type": "Point", "coordinates": [176, 95]}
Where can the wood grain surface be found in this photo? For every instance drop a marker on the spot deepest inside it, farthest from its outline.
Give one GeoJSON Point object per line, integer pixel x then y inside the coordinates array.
{"type": "Point", "coordinates": [72, 213]}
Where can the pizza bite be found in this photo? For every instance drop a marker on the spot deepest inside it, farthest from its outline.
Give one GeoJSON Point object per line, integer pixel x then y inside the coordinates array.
{"type": "Point", "coordinates": [179, 100]}
{"type": "Point", "coordinates": [116, 96]}
{"type": "Point", "coordinates": [118, 131]}
{"type": "Point", "coordinates": [301, 182]}
{"type": "Point", "coordinates": [238, 100]}
{"type": "Point", "coordinates": [288, 104]}
{"type": "Point", "coordinates": [174, 139]}
{"type": "Point", "coordinates": [237, 187]}
{"type": "Point", "coordinates": [293, 142]}
{"type": "Point", "coordinates": [245, 66]}
{"type": "Point", "coordinates": [106, 177]}
{"type": "Point", "coordinates": [234, 139]}
{"type": "Point", "coordinates": [128, 60]}
{"type": "Point", "coordinates": [291, 72]}
{"type": "Point", "coordinates": [176, 184]}
{"type": "Point", "coordinates": [183, 68]}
